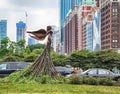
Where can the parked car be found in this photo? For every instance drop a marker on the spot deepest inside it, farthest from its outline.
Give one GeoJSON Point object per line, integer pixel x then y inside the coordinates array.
{"type": "Point", "coordinates": [6, 68]}
{"type": "Point", "coordinates": [64, 70]}
{"type": "Point", "coordinates": [98, 72]}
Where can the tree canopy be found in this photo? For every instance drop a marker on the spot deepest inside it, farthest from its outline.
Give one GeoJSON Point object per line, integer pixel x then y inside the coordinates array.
{"type": "Point", "coordinates": [10, 51]}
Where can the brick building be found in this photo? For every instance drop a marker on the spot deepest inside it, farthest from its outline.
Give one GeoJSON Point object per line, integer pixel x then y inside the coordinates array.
{"type": "Point", "coordinates": [110, 24]}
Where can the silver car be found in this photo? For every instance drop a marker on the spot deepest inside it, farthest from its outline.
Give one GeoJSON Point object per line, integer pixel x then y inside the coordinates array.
{"type": "Point", "coordinates": [98, 72]}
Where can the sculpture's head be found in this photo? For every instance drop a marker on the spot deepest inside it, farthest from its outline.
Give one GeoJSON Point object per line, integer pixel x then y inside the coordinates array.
{"type": "Point", "coordinates": [49, 30]}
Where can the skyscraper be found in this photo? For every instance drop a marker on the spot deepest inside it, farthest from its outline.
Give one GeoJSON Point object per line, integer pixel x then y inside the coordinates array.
{"type": "Point", "coordinates": [21, 30]}
{"type": "Point", "coordinates": [3, 29]}
{"type": "Point", "coordinates": [75, 25]}
{"type": "Point", "coordinates": [85, 16]}
{"type": "Point", "coordinates": [65, 8]}
{"type": "Point", "coordinates": [110, 24]}
{"type": "Point", "coordinates": [97, 30]}
{"type": "Point", "coordinates": [71, 32]}
{"type": "Point", "coordinates": [93, 32]}
{"type": "Point", "coordinates": [55, 40]}
{"type": "Point", "coordinates": [89, 36]}
{"type": "Point", "coordinates": [78, 2]}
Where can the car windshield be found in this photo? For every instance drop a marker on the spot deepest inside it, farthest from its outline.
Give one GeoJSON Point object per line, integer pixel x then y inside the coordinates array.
{"type": "Point", "coordinates": [85, 72]}
{"type": "Point", "coordinates": [3, 66]}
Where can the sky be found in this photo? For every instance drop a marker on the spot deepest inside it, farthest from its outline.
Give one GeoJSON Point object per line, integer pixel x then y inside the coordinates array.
{"type": "Point", "coordinates": [40, 13]}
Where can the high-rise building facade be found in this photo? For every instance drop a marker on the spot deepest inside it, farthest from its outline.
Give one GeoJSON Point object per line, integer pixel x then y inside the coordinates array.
{"type": "Point", "coordinates": [98, 3]}
{"type": "Point", "coordinates": [76, 25]}
{"type": "Point", "coordinates": [97, 30]}
{"type": "Point", "coordinates": [89, 36]}
{"type": "Point", "coordinates": [65, 9]}
{"type": "Point", "coordinates": [71, 32]}
{"type": "Point", "coordinates": [56, 42]}
{"type": "Point", "coordinates": [93, 32]}
{"type": "Point", "coordinates": [21, 30]}
{"type": "Point", "coordinates": [110, 24]}
{"type": "Point", "coordinates": [55, 39]}
{"type": "Point", "coordinates": [88, 2]}
{"type": "Point", "coordinates": [78, 2]}
{"type": "Point", "coordinates": [3, 29]}
{"type": "Point", "coordinates": [84, 16]}
{"type": "Point", "coordinates": [65, 6]}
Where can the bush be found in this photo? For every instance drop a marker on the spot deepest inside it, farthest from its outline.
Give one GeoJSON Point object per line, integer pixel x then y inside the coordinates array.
{"type": "Point", "coordinates": [10, 58]}
{"type": "Point", "coordinates": [106, 81]}
{"type": "Point", "coordinates": [30, 58]}
{"type": "Point", "coordinates": [93, 81]}
{"type": "Point", "coordinates": [76, 80]}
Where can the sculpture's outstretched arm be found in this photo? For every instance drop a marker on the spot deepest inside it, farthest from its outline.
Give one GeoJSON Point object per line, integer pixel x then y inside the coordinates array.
{"type": "Point", "coordinates": [34, 37]}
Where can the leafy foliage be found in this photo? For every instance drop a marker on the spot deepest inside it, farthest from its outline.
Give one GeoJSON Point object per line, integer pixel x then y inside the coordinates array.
{"type": "Point", "coordinates": [17, 77]}
{"type": "Point", "coordinates": [36, 46]}
{"type": "Point", "coordinates": [93, 81]}
{"type": "Point", "coordinates": [59, 60]}
{"type": "Point", "coordinates": [12, 51]}
{"type": "Point", "coordinates": [5, 42]}
{"type": "Point", "coordinates": [10, 58]}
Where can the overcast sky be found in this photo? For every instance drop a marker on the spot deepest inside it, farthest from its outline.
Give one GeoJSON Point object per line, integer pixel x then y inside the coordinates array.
{"type": "Point", "coordinates": [40, 14]}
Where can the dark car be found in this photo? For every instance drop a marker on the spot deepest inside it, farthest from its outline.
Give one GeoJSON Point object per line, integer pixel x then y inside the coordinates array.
{"type": "Point", "coordinates": [98, 72]}
{"type": "Point", "coordinates": [64, 70]}
{"type": "Point", "coordinates": [7, 68]}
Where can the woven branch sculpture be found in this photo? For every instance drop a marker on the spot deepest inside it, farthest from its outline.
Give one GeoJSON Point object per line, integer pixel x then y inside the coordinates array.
{"type": "Point", "coordinates": [43, 65]}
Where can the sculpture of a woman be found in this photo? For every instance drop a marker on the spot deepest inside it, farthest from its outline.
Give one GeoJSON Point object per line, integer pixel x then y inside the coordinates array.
{"type": "Point", "coordinates": [43, 65]}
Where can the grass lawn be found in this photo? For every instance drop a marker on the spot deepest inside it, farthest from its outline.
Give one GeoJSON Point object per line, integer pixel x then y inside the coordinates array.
{"type": "Point", "coordinates": [6, 88]}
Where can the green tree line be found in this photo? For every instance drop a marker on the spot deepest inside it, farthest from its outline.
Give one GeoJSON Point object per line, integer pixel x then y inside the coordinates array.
{"type": "Point", "coordinates": [18, 51]}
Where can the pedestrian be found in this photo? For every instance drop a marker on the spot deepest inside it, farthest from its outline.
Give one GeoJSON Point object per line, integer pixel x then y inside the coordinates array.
{"type": "Point", "coordinates": [115, 70]}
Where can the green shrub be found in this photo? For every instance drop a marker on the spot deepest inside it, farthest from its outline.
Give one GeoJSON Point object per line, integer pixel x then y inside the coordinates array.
{"type": "Point", "coordinates": [76, 80]}
{"type": "Point", "coordinates": [117, 83]}
{"type": "Point", "coordinates": [93, 81]}
{"type": "Point", "coordinates": [106, 81]}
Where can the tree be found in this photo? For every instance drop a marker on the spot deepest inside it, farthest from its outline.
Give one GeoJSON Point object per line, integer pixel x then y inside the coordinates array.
{"type": "Point", "coordinates": [108, 58]}
{"type": "Point", "coordinates": [21, 44]}
{"type": "Point", "coordinates": [12, 47]}
{"type": "Point", "coordinates": [5, 42]}
{"type": "Point", "coordinates": [36, 46]}
{"type": "Point", "coordinates": [59, 60]}
{"type": "Point", "coordinates": [3, 52]}
{"type": "Point", "coordinates": [82, 58]}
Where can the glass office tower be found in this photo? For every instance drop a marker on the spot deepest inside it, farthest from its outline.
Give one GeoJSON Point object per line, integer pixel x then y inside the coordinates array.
{"type": "Point", "coordinates": [97, 31]}
{"type": "Point", "coordinates": [21, 30]}
{"type": "Point", "coordinates": [3, 29]}
{"type": "Point", "coordinates": [89, 36]}
{"type": "Point", "coordinates": [93, 33]}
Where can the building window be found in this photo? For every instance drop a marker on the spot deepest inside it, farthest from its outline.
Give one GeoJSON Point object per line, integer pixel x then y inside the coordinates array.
{"type": "Point", "coordinates": [115, 40]}
{"type": "Point", "coordinates": [115, 10]}
{"type": "Point", "coordinates": [115, 31]}
{"type": "Point", "coordinates": [114, 46]}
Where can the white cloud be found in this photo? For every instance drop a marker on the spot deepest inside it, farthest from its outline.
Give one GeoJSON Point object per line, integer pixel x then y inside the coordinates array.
{"type": "Point", "coordinates": [40, 14]}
